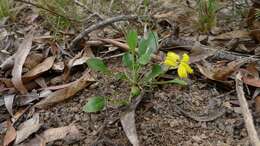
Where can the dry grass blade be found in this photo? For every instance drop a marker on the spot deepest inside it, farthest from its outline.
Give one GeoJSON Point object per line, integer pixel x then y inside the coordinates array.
{"type": "Point", "coordinates": [245, 111]}
{"type": "Point", "coordinates": [67, 92]}
{"type": "Point", "coordinates": [20, 57]}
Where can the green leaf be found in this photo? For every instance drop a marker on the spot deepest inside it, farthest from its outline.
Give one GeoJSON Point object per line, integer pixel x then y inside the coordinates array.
{"type": "Point", "coordinates": [153, 41]}
{"type": "Point", "coordinates": [155, 72]}
{"type": "Point", "coordinates": [120, 76]}
{"type": "Point", "coordinates": [178, 81]}
{"type": "Point", "coordinates": [135, 91]}
{"type": "Point", "coordinates": [175, 81]}
{"type": "Point", "coordinates": [95, 104]}
{"type": "Point", "coordinates": [128, 60]}
{"type": "Point", "coordinates": [132, 39]}
{"type": "Point", "coordinates": [97, 65]}
{"type": "Point", "coordinates": [143, 44]}
{"type": "Point", "coordinates": [145, 58]}
{"type": "Point", "coordinates": [146, 3]}
{"type": "Point", "coordinates": [147, 48]}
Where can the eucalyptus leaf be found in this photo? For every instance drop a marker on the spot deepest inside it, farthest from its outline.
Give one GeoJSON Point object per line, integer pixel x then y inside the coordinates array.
{"type": "Point", "coordinates": [97, 65]}
{"type": "Point", "coordinates": [132, 39]}
{"type": "Point", "coordinates": [95, 104]}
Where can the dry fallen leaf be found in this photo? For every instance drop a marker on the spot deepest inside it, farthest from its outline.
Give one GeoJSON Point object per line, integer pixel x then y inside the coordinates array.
{"type": "Point", "coordinates": [127, 119]}
{"type": "Point", "coordinates": [19, 59]}
{"type": "Point", "coordinates": [257, 104]}
{"type": "Point", "coordinates": [240, 34]}
{"type": "Point", "coordinates": [79, 59]}
{"type": "Point", "coordinates": [67, 133]}
{"type": "Point", "coordinates": [128, 123]}
{"type": "Point", "coordinates": [39, 69]}
{"type": "Point", "coordinates": [10, 134]}
{"type": "Point", "coordinates": [67, 92]}
{"type": "Point", "coordinates": [33, 59]}
{"type": "Point", "coordinates": [219, 73]}
{"type": "Point", "coordinates": [27, 128]}
{"type": "Point", "coordinates": [200, 52]}
{"type": "Point", "coordinates": [70, 132]}
{"type": "Point", "coordinates": [251, 81]}
{"type": "Point", "coordinates": [9, 99]}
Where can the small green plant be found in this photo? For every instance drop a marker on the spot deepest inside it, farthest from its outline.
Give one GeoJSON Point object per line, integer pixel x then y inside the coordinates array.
{"type": "Point", "coordinates": [5, 8]}
{"type": "Point", "coordinates": [140, 74]}
{"type": "Point", "coordinates": [207, 15]}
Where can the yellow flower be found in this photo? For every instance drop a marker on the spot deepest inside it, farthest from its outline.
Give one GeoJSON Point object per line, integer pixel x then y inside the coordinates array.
{"type": "Point", "coordinates": [173, 60]}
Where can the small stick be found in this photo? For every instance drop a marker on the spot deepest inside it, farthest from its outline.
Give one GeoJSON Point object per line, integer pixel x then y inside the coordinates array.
{"type": "Point", "coordinates": [245, 111]}
{"type": "Point", "coordinates": [100, 25]}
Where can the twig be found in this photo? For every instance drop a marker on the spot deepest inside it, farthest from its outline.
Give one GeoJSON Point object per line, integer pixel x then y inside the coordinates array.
{"type": "Point", "coordinates": [245, 111]}
{"type": "Point", "coordinates": [50, 11]}
{"type": "Point", "coordinates": [100, 25]}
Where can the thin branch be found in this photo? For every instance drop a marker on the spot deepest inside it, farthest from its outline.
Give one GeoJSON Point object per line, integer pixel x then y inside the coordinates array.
{"type": "Point", "coordinates": [99, 25]}
{"type": "Point", "coordinates": [245, 111]}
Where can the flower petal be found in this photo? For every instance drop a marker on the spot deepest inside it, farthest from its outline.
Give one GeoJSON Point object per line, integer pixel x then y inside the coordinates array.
{"type": "Point", "coordinates": [187, 67]}
{"type": "Point", "coordinates": [170, 63]}
{"type": "Point", "coordinates": [173, 56]}
{"type": "Point", "coordinates": [185, 58]}
{"type": "Point", "coordinates": [182, 71]}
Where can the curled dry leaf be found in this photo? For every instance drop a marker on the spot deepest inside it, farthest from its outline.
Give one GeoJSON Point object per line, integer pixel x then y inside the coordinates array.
{"type": "Point", "coordinates": [79, 59]}
{"type": "Point", "coordinates": [39, 69]}
{"type": "Point", "coordinates": [10, 134]}
{"type": "Point", "coordinates": [27, 128]}
{"type": "Point", "coordinates": [67, 92]}
{"type": "Point", "coordinates": [20, 57]}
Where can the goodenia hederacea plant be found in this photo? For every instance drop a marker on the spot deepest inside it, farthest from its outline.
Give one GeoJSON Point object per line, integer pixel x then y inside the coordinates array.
{"type": "Point", "coordinates": [135, 60]}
